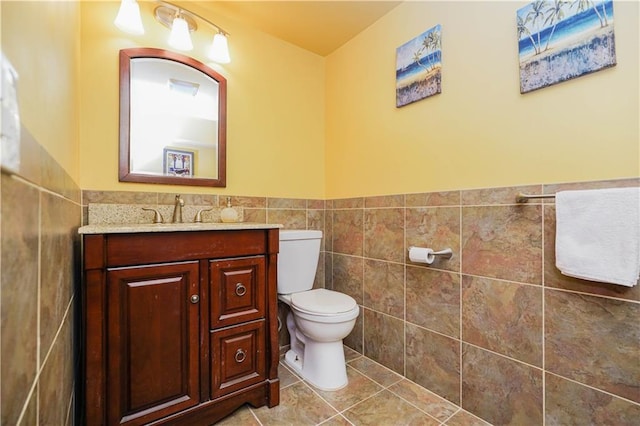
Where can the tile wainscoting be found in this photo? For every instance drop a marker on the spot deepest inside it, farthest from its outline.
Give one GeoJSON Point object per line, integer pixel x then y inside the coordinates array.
{"type": "Point", "coordinates": [496, 329]}
{"type": "Point", "coordinates": [40, 258]}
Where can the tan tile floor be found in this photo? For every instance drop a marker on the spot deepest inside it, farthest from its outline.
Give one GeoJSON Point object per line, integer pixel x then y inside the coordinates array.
{"type": "Point", "coordinates": [375, 396]}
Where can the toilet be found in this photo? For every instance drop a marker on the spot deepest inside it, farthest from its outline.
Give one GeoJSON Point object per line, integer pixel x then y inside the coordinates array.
{"type": "Point", "coordinates": [319, 318]}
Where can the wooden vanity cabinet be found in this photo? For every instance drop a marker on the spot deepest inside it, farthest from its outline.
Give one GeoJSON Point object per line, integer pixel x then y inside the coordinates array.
{"type": "Point", "coordinates": [179, 328]}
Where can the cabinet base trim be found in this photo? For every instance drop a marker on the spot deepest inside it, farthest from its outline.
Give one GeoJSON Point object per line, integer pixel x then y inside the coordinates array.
{"type": "Point", "coordinates": [210, 412]}
{"type": "Point", "coordinates": [274, 393]}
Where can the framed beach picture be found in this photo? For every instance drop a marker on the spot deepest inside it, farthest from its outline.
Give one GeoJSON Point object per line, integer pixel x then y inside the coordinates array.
{"type": "Point", "coordinates": [561, 40]}
{"type": "Point", "coordinates": [418, 67]}
{"type": "Point", "coordinates": [178, 162]}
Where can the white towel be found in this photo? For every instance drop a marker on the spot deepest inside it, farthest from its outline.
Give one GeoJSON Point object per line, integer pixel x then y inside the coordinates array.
{"type": "Point", "coordinates": [598, 235]}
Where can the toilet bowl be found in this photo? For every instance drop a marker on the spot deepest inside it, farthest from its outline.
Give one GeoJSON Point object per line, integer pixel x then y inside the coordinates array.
{"type": "Point", "coordinates": [319, 318]}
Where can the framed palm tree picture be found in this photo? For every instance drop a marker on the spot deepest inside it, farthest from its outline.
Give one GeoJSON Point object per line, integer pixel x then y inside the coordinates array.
{"type": "Point", "coordinates": [419, 67]}
{"type": "Point", "coordinates": [560, 40]}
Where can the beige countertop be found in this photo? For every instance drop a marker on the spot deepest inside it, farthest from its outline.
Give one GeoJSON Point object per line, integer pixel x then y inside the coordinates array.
{"type": "Point", "coordinates": [129, 228]}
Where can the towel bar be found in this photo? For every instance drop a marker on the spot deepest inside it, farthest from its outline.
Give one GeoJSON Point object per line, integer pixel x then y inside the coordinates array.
{"type": "Point", "coordinates": [523, 198]}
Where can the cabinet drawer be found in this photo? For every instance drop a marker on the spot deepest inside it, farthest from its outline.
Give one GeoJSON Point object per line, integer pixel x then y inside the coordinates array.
{"type": "Point", "coordinates": [238, 290]}
{"type": "Point", "coordinates": [238, 357]}
{"type": "Point", "coordinates": [158, 247]}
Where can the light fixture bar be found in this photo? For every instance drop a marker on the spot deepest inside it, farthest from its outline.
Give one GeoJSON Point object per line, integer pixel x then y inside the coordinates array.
{"type": "Point", "coordinates": [191, 15]}
{"type": "Point", "coordinates": [166, 14]}
{"type": "Point", "coordinates": [181, 22]}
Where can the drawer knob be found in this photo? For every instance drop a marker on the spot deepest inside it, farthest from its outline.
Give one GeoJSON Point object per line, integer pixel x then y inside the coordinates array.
{"type": "Point", "coordinates": [241, 290]}
{"type": "Point", "coordinates": [240, 355]}
{"type": "Point", "coordinates": [195, 298]}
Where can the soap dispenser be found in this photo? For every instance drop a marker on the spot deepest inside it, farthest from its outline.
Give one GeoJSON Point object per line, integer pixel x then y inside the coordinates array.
{"type": "Point", "coordinates": [229, 214]}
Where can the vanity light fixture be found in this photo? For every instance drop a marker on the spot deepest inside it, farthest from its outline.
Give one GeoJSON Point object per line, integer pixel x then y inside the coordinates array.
{"type": "Point", "coordinates": [128, 18]}
{"type": "Point", "coordinates": [180, 37]}
{"type": "Point", "coordinates": [219, 51]}
{"type": "Point", "coordinates": [180, 21]}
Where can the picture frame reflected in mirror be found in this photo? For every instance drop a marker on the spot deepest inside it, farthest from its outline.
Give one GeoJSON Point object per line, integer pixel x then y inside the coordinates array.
{"type": "Point", "coordinates": [178, 162]}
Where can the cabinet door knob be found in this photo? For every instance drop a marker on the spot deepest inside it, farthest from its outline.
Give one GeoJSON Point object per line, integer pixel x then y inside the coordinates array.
{"type": "Point", "coordinates": [240, 355]}
{"type": "Point", "coordinates": [195, 298]}
{"type": "Point", "coordinates": [241, 290]}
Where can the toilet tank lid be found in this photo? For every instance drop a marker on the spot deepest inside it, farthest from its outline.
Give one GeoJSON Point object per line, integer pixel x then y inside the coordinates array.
{"type": "Point", "coordinates": [300, 234]}
{"type": "Point", "coordinates": [323, 302]}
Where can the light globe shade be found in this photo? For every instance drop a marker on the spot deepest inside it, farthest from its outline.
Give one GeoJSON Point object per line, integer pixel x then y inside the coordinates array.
{"type": "Point", "coordinates": [219, 51]}
{"type": "Point", "coordinates": [128, 18]}
{"type": "Point", "coordinates": [180, 37]}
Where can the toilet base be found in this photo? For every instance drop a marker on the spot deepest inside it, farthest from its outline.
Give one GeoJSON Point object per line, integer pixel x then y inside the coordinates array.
{"type": "Point", "coordinates": [322, 365]}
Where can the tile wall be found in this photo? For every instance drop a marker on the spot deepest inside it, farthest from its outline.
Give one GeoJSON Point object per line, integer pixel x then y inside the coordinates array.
{"type": "Point", "coordinates": [495, 329]}
{"type": "Point", "coordinates": [39, 299]}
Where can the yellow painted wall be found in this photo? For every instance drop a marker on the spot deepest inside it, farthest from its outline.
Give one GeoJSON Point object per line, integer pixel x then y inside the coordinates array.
{"type": "Point", "coordinates": [275, 127]}
{"type": "Point", "coordinates": [480, 131]}
{"type": "Point", "coordinates": [41, 40]}
{"type": "Point", "coordinates": [283, 119]}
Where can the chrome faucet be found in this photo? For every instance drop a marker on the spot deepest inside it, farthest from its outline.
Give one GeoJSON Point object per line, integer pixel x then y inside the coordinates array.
{"type": "Point", "coordinates": [177, 210]}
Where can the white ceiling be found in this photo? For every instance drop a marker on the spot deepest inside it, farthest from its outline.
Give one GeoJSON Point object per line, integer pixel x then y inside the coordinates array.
{"type": "Point", "coordinates": [318, 26]}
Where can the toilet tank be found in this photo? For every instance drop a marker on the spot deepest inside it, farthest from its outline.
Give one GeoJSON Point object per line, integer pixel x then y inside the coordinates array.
{"type": "Point", "coordinates": [298, 260]}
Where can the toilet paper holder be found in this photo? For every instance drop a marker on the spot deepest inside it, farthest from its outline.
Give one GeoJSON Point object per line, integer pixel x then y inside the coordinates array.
{"type": "Point", "coordinates": [446, 253]}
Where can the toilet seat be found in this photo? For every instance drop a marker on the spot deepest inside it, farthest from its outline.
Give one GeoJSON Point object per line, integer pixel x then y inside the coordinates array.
{"type": "Point", "coordinates": [322, 302]}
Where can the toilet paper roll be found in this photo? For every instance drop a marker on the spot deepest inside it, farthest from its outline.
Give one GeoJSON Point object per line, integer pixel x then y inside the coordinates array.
{"type": "Point", "coordinates": [421, 255]}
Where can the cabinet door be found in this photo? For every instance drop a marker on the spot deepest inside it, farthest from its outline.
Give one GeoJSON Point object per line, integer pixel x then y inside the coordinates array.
{"type": "Point", "coordinates": [238, 290]}
{"type": "Point", "coordinates": [238, 357]}
{"type": "Point", "coordinates": [153, 341]}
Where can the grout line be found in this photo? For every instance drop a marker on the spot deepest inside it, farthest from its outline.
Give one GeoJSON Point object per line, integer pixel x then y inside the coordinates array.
{"type": "Point", "coordinates": [389, 316]}
{"type": "Point", "coordinates": [439, 333]}
{"type": "Point", "coordinates": [635, 403]}
{"type": "Point", "coordinates": [582, 293]}
{"type": "Point", "coordinates": [254, 415]}
{"type": "Point", "coordinates": [299, 379]}
{"type": "Point", "coordinates": [40, 364]}
{"type": "Point", "coordinates": [444, 422]}
{"type": "Point", "coordinates": [409, 263]}
{"type": "Point", "coordinates": [70, 405]}
{"type": "Point", "coordinates": [404, 286]}
{"type": "Point", "coordinates": [337, 416]}
{"type": "Point", "coordinates": [364, 237]}
{"type": "Point", "coordinates": [542, 336]}
{"type": "Point", "coordinates": [484, 277]}
{"type": "Point", "coordinates": [460, 306]}
{"type": "Point", "coordinates": [43, 189]}
{"type": "Point", "coordinates": [315, 391]}
{"type": "Point", "coordinates": [400, 378]}
{"type": "Point", "coordinates": [506, 356]}
{"type": "Point", "coordinates": [420, 409]}
{"type": "Point", "coordinates": [36, 379]}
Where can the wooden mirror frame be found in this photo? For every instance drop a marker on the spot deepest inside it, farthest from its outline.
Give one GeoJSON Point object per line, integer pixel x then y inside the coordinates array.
{"type": "Point", "coordinates": [125, 173]}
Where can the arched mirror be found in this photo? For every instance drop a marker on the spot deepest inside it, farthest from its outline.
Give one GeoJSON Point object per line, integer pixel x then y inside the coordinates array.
{"type": "Point", "coordinates": [172, 119]}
